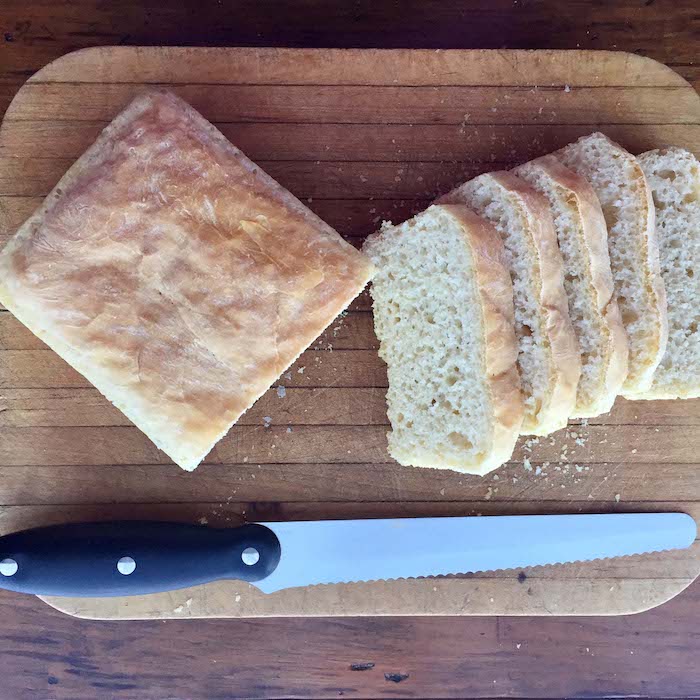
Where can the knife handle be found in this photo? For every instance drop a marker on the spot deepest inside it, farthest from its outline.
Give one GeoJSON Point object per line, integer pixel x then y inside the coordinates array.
{"type": "Point", "coordinates": [132, 557]}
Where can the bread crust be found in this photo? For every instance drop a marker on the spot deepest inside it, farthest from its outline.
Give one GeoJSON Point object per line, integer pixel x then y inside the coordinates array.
{"type": "Point", "coordinates": [175, 275]}
{"type": "Point", "coordinates": [595, 239]}
{"type": "Point", "coordinates": [640, 374]}
{"type": "Point", "coordinates": [501, 349]}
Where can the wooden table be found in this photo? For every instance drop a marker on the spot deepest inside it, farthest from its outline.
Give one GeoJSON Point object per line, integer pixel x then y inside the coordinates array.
{"type": "Point", "coordinates": [45, 654]}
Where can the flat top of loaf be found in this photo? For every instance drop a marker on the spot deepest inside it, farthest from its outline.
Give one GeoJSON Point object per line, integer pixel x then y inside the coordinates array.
{"type": "Point", "coordinates": [176, 275]}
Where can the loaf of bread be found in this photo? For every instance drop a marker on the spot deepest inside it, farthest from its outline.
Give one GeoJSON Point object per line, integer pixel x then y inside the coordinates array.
{"type": "Point", "coordinates": [548, 355]}
{"type": "Point", "coordinates": [674, 177]}
{"type": "Point", "coordinates": [595, 315]}
{"type": "Point", "coordinates": [624, 194]}
{"type": "Point", "coordinates": [443, 313]}
{"type": "Point", "coordinates": [175, 275]}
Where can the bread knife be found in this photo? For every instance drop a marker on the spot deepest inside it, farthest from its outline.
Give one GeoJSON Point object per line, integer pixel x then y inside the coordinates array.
{"type": "Point", "coordinates": [140, 557]}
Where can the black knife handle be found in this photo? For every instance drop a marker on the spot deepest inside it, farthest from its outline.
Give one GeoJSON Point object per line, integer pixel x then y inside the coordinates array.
{"type": "Point", "coordinates": [97, 559]}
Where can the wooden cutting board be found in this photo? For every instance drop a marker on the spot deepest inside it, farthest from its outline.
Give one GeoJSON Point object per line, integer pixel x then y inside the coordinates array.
{"type": "Point", "coordinates": [361, 136]}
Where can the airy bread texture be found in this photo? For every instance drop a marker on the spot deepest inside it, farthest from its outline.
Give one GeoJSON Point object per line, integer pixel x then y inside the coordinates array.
{"type": "Point", "coordinates": [443, 312]}
{"type": "Point", "coordinates": [548, 356]}
{"type": "Point", "coordinates": [175, 275]}
{"type": "Point", "coordinates": [674, 177]}
{"type": "Point", "coordinates": [595, 315]}
{"type": "Point", "coordinates": [624, 194]}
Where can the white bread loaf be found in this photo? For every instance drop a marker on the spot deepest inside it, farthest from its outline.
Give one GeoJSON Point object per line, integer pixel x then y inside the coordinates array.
{"type": "Point", "coordinates": [548, 356]}
{"type": "Point", "coordinates": [175, 275]}
{"type": "Point", "coordinates": [443, 312]}
{"type": "Point", "coordinates": [595, 315]}
{"type": "Point", "coordinates": [674, 177]}
{"type": "Point", "coordinates": [624, 194]}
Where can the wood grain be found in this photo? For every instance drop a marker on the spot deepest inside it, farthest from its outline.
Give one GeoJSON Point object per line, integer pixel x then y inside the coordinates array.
{"type": "Point", "coordinates": [60, 438]}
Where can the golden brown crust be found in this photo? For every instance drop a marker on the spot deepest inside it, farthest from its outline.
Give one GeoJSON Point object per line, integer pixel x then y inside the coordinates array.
{"type": "Point", "coordinates": [501, 348]}
{"type": "Point", "coordinates": [595, 238]}
{"type": "Point", "coordinates": [564, 356]}
{"type": "Point", "coordinates": [175, 275]}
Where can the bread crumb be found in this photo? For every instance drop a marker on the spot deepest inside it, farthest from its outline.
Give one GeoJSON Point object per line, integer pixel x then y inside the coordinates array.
{"type": "Point", "coordinates": [179, 609]}
{"type": "Point", "coordinates": [237, 598]}
{"type": "Point", "coordinates": [301, 370]}
{"type": "Point", "coordinates": [634, 451]}
{"type": "Point", "coordinates": [267, 421]}
{"type": "Point", "coordinates": [538, 471]}
{"type": "Point", "coordinates": [617, 498]}
{"type": "Point", "coordinates": [567, 88]}
{"type": "Point", "coordinates": [489, 493]}
{"type": "Point", "coordinates": [203, 520]}
{"type": "Point", "coordinates": [442, 492]}
{"type": "Point", "coordinates": [517, 646]}
{"type": "Point", "coordinates": [527, 465]}
{"type": "Point", "coordinates": [496, 477]}
{"type": "Point", "coordinates": [245, 459]}
{"type": "Point", "coordinates": [281, 392]}
{"type": "Point", "coordinates": [289, 429]}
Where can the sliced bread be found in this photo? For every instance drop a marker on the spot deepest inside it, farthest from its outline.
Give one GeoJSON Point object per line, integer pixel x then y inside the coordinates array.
{"type": "Point", "coordinates": [595, 315]}
{"type": "Point", "coordinates": [548, 357]}
{"type": "Point", "coordinates": [443, 313]}
{"type": "Point", "coordinates": [624, 194]}
{"type": "Point", "coordinates": [674, 177]}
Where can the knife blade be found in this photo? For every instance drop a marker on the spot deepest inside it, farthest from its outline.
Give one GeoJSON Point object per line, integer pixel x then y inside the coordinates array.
{"type": "Point", "coordinates": [141, 557]}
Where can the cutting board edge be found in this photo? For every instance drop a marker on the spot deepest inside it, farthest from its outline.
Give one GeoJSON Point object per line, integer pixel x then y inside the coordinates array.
{"type": "Point", "coordinates": [580, 608]}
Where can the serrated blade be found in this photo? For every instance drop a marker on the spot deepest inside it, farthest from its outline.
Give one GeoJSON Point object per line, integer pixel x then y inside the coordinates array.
{"type": "Point", "coordinates": [341, 551]}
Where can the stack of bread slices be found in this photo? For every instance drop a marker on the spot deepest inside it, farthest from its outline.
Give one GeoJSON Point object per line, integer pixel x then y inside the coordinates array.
{"type": "Point", "coordinates": [521, 299]}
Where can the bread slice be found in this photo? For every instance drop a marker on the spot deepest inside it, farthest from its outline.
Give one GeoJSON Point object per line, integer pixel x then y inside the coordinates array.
{"type": "Point", "coordinates": [624, 194]}
{"type": "Point", "coordinates": [175, 275]}
{"type": "Point", "coordinates": [548, 357]}
{"type": "Point", "coordinates": [674, 177]}
{"type": "Point", "coordinates": [443, 312]}
{"type": "Point", "coordinates": [595, 315]}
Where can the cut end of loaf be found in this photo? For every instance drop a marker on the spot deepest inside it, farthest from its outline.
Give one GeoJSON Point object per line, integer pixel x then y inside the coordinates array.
{"type": "Point", "coordinates": [674, 178]}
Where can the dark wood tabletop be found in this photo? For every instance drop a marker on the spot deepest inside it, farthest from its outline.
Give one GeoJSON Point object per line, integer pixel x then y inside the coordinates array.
{"type": "Point", "coordinates": [44, 654]}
